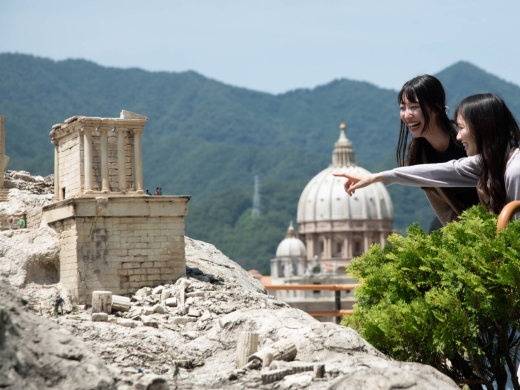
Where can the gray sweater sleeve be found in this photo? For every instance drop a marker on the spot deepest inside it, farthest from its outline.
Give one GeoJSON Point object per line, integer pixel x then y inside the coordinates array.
{"type": "Point", "coordinates": [455, 173]}
{"type": "Point", "coordinates": [512, 178]}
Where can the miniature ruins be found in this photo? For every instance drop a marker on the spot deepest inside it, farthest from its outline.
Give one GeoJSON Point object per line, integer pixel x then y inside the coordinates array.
{"type": "Point", "coordinates": [112, 236]}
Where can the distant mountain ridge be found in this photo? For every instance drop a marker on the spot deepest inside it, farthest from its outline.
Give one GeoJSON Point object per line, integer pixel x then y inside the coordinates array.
{"type": "Point", "coordinates": [206, 138]}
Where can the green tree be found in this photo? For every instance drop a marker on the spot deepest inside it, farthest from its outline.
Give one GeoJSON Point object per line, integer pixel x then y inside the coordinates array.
{"type": "Point", "coordinates": [449, 299]}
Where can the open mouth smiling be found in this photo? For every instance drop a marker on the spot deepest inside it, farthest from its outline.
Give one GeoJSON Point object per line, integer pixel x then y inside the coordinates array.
{"type": "Point", "coordinates": [413, 126]}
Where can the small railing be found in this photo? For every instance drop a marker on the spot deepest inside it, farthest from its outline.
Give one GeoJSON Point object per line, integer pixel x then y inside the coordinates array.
{"type": "Point", "coordinates": [337, 288]}
{"type": "Point", "coordinates": [507, 213]}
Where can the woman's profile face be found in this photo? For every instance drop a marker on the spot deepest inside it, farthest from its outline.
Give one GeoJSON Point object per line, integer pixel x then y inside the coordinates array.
{"type": "Point", "coordinates": [412, 116]}
{"type": "Point", "coordinates": [465, 137]}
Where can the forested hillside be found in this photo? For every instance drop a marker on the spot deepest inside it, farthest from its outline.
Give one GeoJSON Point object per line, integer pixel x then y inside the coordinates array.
{"type": "Point", "coordinates": [208, 139]}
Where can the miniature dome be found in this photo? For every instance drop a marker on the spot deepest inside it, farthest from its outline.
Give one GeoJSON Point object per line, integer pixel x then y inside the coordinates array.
{"type": "Point", "coordinates": [325, 199]}
{"type": "Point", "coordinates": [291, 246]}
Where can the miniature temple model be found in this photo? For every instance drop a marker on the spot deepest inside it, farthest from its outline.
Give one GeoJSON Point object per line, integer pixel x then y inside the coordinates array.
{"type": "Point", "coordinates": [113, 237]}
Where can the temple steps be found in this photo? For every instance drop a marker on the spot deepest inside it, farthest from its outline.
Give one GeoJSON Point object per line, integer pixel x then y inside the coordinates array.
{"type": "Point", "coordinates": [4, 192]}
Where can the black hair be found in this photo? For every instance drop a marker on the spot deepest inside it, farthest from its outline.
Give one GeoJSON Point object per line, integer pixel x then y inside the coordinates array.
{"type": "Point", "coordinates": [429, 93]}
{"type": "Point", "coordinates": [495, 131]}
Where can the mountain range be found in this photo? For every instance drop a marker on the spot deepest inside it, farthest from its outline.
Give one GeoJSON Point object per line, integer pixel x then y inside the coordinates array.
{"type": "Point", "coordinates": [209, 139]}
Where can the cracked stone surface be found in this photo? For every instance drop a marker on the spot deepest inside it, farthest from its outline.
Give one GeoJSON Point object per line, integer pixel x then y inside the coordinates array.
{"type": "Point", "coordinates": [36, 353]}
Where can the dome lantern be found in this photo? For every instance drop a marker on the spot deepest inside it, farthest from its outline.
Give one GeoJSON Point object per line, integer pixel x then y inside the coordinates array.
{"type": "Point", "coordinates": [343, 154]}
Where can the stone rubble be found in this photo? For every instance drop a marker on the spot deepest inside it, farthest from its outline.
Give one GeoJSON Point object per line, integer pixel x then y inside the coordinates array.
{"type": "Point", "coordinates": [23, 180]}
{"type": "Point", "coordinates": [194, 322]}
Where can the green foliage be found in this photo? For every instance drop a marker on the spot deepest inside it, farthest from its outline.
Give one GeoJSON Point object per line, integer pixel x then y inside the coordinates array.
{"type": "Point", "coordinates": [449, 295]}
{"type": "Point", "coordinates": [204, 137]}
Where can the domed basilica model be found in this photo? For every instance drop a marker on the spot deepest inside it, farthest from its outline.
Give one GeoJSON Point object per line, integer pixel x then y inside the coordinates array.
{"type": "Point", "coordinates": [333, 228]}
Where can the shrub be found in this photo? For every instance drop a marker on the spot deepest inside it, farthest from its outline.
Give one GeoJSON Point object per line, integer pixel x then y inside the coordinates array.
{"type": "Point", "coordinates": [449, 299]}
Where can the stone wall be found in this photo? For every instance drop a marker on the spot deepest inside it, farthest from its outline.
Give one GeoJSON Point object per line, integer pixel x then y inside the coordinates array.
{"type": "Point", "coordinates": [105, 249]}
{"type": "Point", "coordinates": [34, 218]}
{"type": "Point", "coordinates": [70, 169]}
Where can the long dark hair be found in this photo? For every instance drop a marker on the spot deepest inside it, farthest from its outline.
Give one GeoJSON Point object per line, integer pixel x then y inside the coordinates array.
{"type": "Point", "coordinates": [429, 93]}
{"type": "Point", "coordinates": [495, 131]}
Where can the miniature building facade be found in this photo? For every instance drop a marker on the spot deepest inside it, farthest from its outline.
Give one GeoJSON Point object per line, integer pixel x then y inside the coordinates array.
{"type": "Point", "coordinates": [333, 229]}
{"type": "Point", "coordinates": [98, 155]}
{"type": "Point", "coordinates": [112, 236]}
{"type": "Point", "coordinates": [337, 227]}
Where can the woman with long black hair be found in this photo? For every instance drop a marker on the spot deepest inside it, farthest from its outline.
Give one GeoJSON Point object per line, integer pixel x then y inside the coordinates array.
{"type": "Point", "coordinates": [422, 103]}
{"type": "Point", "coordinates": [490, 135]}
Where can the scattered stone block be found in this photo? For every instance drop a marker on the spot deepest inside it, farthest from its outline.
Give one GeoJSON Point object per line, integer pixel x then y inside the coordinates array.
{"type": "Point", "coordinates": [319, 370]}
{"type": "Point", "coordinates": [159, 309]}
{"type": "Point", "coordinates": [128, 323]}
{"type": "Point", "coordinates": [165, 295]}
{"type": "Point", "coordinates": [121, 303]}
{"type": "Point", "coordinates": [297, 381]}
{"type": "Point", "coordinates": [157, 290]}
{"type": "Point", "coordinates": [189, 301]}
{"type": "Point", "coordinates": [195, 294]}
{"type": "Point", "coordinates": [147, 321]}
{"type": "Point", "coordinates": [194, 313]}
{"type": "Point", "coordinates": [181, 320]}
{"type": "Point", "coordinates": [147, 310]}
{"type": "Point", "coordinates": [102, 302]}
{"type": "Point", "coordinates": [171, 302]}
{"type": "Point", "coordinates": [99, 317]}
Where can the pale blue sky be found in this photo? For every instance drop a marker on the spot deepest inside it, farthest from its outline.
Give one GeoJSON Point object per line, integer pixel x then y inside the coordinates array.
{"type": "Point", "coordinates": [272, 46]}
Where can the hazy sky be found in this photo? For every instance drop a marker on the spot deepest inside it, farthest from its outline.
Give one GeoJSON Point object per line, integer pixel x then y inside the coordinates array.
{"type": "Point", "coordinates": [269, 45]}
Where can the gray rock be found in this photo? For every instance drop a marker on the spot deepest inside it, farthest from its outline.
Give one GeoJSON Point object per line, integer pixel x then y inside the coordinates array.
{"type": "Point", "coordinates": [151, 382]}
{"type": "Point", "coordinates": [39, 354]}
{"type": "Point", "coordinates": [194, 313]}
{"type": "Point", "coordinates": [181, 320]}
{"type": "Point", "coordinates": [189, 301]}
{"type": "Point", "coordinates": [128, 323]}
{"type": "Point", "coordinates": [159, 309]}
{"type": "Point", "coordinates": [99, 317]}
{"type": "Point", "coordinates": [211, 261]}
{"type": "Point", "coordinates": [148, 321]}
{"type": "Point", "coordinates": [157, 290]}
{"type": "Point", "coordinates": [147, 310]}
{"type": "Point", "coordinates": [171, 302]}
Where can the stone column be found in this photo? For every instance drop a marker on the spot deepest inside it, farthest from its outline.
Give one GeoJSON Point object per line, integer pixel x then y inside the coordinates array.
{"type": "Point", "coordinates": [138, 160]}
{"type": "Point", "coordinates": [121, 165]}
{"type": "Point", "coordinates": [2, 151]}
{"type": "Point", "coordinates": [56, 171]}
{"type": "Point", "coordinates": [87, 159]}
{"type": "Point", "coordinates": [105, 186]}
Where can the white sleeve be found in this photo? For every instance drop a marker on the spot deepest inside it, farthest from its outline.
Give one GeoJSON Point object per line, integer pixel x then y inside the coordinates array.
{"type": "Point", "coordinates": [455, 173]}
{"type": "Point", "coordinates": [512, 178]}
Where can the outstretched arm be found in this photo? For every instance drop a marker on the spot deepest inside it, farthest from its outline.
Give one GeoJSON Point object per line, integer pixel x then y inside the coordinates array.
{"type": "Point", "coordinates": [356, 181]}
{"type": "Point", "coordinates": [456, 173]}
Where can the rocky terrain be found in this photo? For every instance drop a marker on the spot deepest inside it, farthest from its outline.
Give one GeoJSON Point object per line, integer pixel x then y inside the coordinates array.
{"type": "Point", "coordinates": [194, 323]}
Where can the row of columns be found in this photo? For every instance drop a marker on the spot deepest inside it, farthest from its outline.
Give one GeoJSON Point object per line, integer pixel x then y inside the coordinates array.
{"type": "Point", "coordinates": [121, 160]}
{"type": "Point", "coordinates": [314, 244]}
{"type": "Point", "coordinates": [89, 160]}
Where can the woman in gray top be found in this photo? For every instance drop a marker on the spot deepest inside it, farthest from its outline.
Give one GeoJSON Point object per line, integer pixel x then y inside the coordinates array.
{"type": "Point", "coordinates": [490, 135]}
